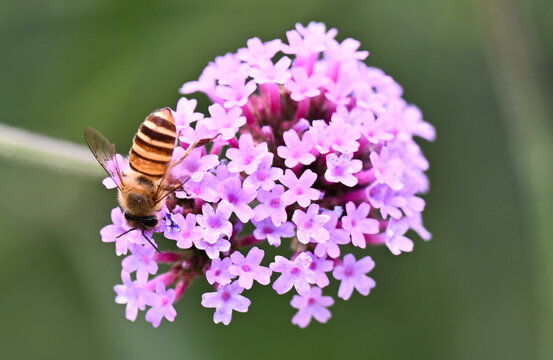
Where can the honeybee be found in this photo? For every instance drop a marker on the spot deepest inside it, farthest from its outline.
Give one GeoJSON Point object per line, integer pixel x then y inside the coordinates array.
{"type": "Point", "coordinates": [144, 187]}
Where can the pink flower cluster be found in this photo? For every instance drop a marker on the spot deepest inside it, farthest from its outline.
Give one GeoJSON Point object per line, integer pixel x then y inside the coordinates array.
{"type": "Point", "coordinates": [315, 150]}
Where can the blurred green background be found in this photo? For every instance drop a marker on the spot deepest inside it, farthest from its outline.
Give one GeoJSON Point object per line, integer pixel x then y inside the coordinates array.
{"type": "Point", "coordinates": [478, 290]}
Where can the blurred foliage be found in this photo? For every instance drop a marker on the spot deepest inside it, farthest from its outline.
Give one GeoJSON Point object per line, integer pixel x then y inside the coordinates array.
{"type": "Point", "coordinates": [467, 294]}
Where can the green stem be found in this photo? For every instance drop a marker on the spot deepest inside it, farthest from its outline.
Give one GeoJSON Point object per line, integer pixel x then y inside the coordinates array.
{"type": "Point", "coordinates": [519, 87]}
{"type": "Point", "coordinates": [36, 149]}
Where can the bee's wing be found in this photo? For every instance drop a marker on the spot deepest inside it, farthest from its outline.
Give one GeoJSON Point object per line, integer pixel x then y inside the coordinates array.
{"type": "Point", "coordinates": [104, 151]}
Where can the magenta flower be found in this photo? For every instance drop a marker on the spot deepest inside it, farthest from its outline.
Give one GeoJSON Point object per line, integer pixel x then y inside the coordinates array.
{"type": "Point", "coordinates": [302, 85]}
{"type": "Point", "coordinates": [310, 225]}
{"type": "Point", "coordinates": [267, 72]}
{"type": "Point", "coordinates": [388, 168]}
{"type": "Point", "coordinates": [247, 157]}
{"type": "Point", "coordinates": [215, 223]}
{"type": "Point", "coordinates": [266, 229]}
{"type": "Point", "coordinates": [271, 205]}
{"type": "Point", "coordinates": [132, 294]}
{"type": "Point", "coordinates": [320, 266]}
{"type": "Point", "coordinates": [232, 193]}
{"type": "Point", "coordinates": [341, 169]}
{"type": "Point", "coordinates": [265, 175]}
{"type": "Point", "coordinates": [321, 135]}
{"type": "Point", "coordinates": [219, 272]}
{"type": "Point", "coordinates": [213, 249]}
{"type": "Point", "coordinates": [248, 269]}
{"type": "Point", "coordinates": [304, 145]}
{"type": "Point", "coordinates": [119, 163]}
{"type": "Point", "coordinates": [161, 303]}
{"type": "Point", "coordinates": [356, 223]}
{"type": "Point", "coordinates": [396, 240]}
{"type": "Point", "coordinates": [141, 260]}
{"type": "Point", "coordinates": [352, 275]}
{"type": "Point", "coordinates": [337, 236]}
{"type": "Point", "coordinates": [226, 299]}
{"type": "Point", "coordinates": [185, 115]}
{"type": "Point", "coordinates": [311, 305]}
{"type": "Point", "coordinates": [194, 166]}
{"type": "Point", "coordinates": [296, 150]}
{"type": "Point", "coordinates": [344, 137]}
{"type": "Point", "coordinates": [236, 93]}
{"type": "Point", "coordinates": [120, 234]}
{"type": "Point", "coordinates": [183, 230]}
{"type": "Point", "coordinates": [296, 273]}
{"type": "Point", "coordinates": [299, 190]}
{"type": "Point", "coordinates": [258, 52]}
{"type": "Point", "coordinates": [204, 189]}
{"type": "Point", "coordinates": [227, 123]}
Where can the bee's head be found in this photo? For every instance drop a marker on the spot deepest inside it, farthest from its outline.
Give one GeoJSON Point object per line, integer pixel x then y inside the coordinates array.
{"type": "Point", "coordinates": [141, 222]}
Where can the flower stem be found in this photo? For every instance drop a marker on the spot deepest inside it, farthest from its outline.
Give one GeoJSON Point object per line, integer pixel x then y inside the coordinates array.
{"type": "Point", "coordinates": [41, 150]}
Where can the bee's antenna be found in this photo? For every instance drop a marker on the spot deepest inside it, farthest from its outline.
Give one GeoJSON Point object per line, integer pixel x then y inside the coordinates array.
{"type": "Point", "coordinates": [150, 241]}
{"type": "Point", "coordinates": [126, 232]}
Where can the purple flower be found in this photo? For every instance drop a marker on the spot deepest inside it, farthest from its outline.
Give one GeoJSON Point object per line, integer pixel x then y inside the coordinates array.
{"type": "Point", "coordinates": [201, 131]}
{"type": "Point", "coordinates": [111, 182]}
{"type": "Point", "coordinates": [264, 176]}
{"type": "Point", "coordinates": [320, 266]}
{"type": "Point", "coordinates": [185, 115]}
{"type": "Point", "coordinates": [396, 240]}
{"type": "Point", "coordinates": [337, 236]}
{"type": "Point", "coordinates": [232, 193]}
{"type": "Point", "coordinates": [387, 168]}
{"type": "Point", "coordinates": [213, 250]}
{"type": "Point", "coordinates": [302, 85]}
{"type": "Point", "coordinates": [266, 229]}
{"type": "Point", "coordinates": [340, 169]}
{"type": "Point", "coordinates": [227, 123]}
{"type": "Point", "coordinates": [299, 190]}
{"type": "Point", "coordinates": [267, 72]}
{"type": "Point", "coordinates": [215, 223]}
{"type": "Point", "coordinates": [296, 273]}
{"type": "Point", "coordinates": [321, 135]}
{"type": "Point", "coordinates": [219, 272]}
{"type": "Point", "coordinates": [296, 151]}
{"type": "Point", "coordinates": [236, 93]}
{"type": "Point", "coordinates": [161, 305]}
{"type": "Point", "coordinates": [247, 157]}
{"type": "Point", "coordinates": [311, 305]}
{"type": "Point", "coordinates": [226, 299]}
{"type": "Point", "coordinates": [271, 205]}
{"type": "Point", "coordinates": [352, 275]}
{"type": "Point", "coordinates": [194, 166]}
{"type": "Point", "coordinates": [345, 136]}
{"type": "Point", "coordinates": [113, 233]}
{"type": "Point", "coordinates": [382, 197]}
{"type": "Point", "coordinates": [356, 223]}
{"type": "Point", "coordinates": [132, 294]}
{"type": "Point", "coordinates": [183, 230]}
{"type": "Point", "coordinates": [310, 225]}
{"type": "Point", "coordinates": [318, 136]}
{"type": "Point", "coordinates": [258, 51]}
{"type": "Point", "coordinates": [248, 269]}
{"type": "Point", "coordinates": [205, 189]}
{"type": "Point", "coordinates": [141, 260]}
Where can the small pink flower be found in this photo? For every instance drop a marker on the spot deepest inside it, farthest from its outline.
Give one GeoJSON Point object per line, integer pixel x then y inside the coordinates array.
{"type": "Point", "coordinates": [311, 305]}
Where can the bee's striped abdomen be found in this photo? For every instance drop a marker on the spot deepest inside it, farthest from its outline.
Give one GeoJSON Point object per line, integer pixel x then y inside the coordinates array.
{"type": "Point", "coordinates": [153, 144]}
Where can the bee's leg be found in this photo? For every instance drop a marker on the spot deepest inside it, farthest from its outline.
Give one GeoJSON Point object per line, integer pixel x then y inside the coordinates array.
{"type": "Point", "coordinates": [150, 241]}
{"type": "Point", "coordinates": [128, 231]}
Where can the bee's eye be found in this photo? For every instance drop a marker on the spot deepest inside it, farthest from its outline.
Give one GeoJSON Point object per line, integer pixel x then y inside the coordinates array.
{"type": "Point", "coordinates": [149, 221]}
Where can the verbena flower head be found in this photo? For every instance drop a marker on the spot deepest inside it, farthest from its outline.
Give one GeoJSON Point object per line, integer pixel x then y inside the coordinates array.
{"type": "Point", "coordinates": [314, 149]}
